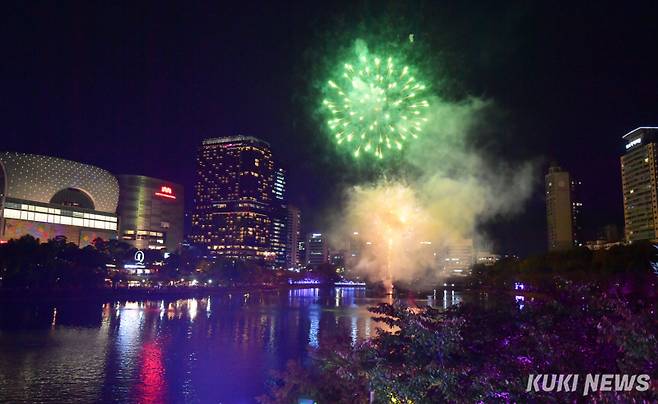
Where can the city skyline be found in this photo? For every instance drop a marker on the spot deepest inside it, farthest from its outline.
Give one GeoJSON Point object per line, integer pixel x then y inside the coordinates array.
{"type": "Point", "coordinates": [150, 101]}
{"type": "Point", "coordinates": [349, 201]}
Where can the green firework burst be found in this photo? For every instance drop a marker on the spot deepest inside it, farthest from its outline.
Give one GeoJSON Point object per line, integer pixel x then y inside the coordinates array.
{"type": "Point", "coordinates": [374, 105]}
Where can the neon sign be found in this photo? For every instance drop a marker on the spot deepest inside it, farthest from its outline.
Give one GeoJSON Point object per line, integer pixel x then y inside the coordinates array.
{"type": "Point", "coordinates": [633, 143]}
{"type": "Point", "coordinates": [166, 192]}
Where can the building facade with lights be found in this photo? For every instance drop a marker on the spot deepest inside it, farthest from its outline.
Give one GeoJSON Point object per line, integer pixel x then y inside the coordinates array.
{"type": "Point", "coordinates": [639, 176]}
{"type": "Point", "coordinates": [233, 197]}
{"type": "Point", "coordinates": [286, 225]}
{"type": "Point", "coordinates": [486, 258]}
{"type": "Point", "coordinates": [457, 257]}
{"type": "Point", "coordinates": [279, 213]}
{"type": "Point", "coordinates": [317, 252]}
{"type": "Point", "coordinates": [563, 210]}
{"type": "Point", "coordinates": [48, 197]}
{"type": "Point", "coordinates": [150, 213]}
{"type": "Point", "coordinates": [293, 236]}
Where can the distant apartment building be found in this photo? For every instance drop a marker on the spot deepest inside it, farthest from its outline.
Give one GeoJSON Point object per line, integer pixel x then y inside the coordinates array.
{"type": "Point", "coordinates": [316, 249]}
{"type": "Point", "coordinates": [301, 252]}
{"type": "Point", "coordinates": [279, 216]}
{"type": "Point", "coordinates": [563, 210]}
{"type": "Point", "coordinates": [639, 172]}
{"type": "Point", "coordinates": [458, 257]}
{"type": "Point", "coordinates": [286, 225]}
{"type": "Point", "coordinates": [293, 234]}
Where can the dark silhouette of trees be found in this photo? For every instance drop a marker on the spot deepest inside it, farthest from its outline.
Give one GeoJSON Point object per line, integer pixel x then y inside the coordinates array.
{"type": "Point", "coordinates": [630, 264]}
{"type": "Point", "coordinates": [236, 272]}
{"type": "Point", "coordinates": [26, 263]}
{"type": "Point", "coordinates": [326, 273]}
{"type": "Point", "coordinates": [483, 351]}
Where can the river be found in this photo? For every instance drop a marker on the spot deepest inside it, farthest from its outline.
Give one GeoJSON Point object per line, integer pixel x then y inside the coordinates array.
{"type": "Point", "coordinates": [218, 349]}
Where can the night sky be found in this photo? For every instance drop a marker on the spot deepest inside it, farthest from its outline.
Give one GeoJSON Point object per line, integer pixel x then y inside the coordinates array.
{"type": "Point", "coordinates": [134, 88]}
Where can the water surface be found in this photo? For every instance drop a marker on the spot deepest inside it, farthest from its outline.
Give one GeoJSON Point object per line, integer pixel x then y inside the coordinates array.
{"type": "Point", "coordinates": [216, 349]}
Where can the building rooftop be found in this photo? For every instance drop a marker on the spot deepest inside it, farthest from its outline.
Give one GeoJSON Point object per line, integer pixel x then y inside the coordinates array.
{"type": "Point", "coordinates": [38, 178]}
{"type": "Point", "coordinates": [237, 138]}
{"type": "Point", "coordinates": [640, 129]}
{"type": "Point", "coordinates": [146, 177]}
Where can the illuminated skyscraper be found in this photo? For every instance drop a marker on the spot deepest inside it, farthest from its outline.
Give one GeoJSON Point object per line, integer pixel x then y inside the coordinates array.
{"type": "Point", "coordinates": [279, 214]}
{"type": "Point", "coordinates": [563, 210]}
{"type": "Point", "coordinates": [639, 172]}
{"type": "Point", "coordinates": [233, 198]}
{"type": "Point", "coordinates": [286, 225]}
{"type": "Point", "coordinates": [293, 230]}
{"type": "Point", "coordinates": [279, 189]}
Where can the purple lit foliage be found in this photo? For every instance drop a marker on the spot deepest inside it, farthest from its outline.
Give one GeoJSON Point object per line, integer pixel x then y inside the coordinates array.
{"type": "Point", "coordinates": [484, 351]}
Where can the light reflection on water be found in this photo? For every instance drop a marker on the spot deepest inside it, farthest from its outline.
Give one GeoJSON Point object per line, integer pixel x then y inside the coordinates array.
{"type": "Point", "coordinates": [219, 348]}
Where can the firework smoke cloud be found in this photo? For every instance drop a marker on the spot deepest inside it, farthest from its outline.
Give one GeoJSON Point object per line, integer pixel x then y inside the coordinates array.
{"type": "Point", "coordinates": [444, 192]}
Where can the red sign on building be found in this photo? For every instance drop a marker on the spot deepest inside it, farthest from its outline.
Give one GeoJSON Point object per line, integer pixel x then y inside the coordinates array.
{"type": "Point", "coordinates": [166, 192]}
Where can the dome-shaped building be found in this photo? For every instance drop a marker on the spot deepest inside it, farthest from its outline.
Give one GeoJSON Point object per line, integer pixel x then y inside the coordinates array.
{"type": "Point", "coordinates": [48, 197]}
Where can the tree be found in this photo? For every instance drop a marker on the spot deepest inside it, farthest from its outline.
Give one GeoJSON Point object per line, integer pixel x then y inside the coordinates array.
{"type": "Point", "coordinates": [484, 352]}
{"type": "Point", "coordinates": [630, 264]}
{"type": "Point", "coordinates": [326, 273]}
{"type": "Point", "coordinates": [26, 263]}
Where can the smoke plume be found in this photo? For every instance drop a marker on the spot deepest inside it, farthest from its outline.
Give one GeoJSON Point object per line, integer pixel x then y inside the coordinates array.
{"type": "Point", "coordinates": [448, 188]}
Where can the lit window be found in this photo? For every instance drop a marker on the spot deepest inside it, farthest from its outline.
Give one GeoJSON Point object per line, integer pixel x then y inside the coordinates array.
{"type": "Point", "coordinates": [12, 214]}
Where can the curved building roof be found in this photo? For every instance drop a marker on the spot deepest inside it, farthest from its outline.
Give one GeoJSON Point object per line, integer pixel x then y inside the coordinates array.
{"type": "Point", "coordinates": [38, 178]}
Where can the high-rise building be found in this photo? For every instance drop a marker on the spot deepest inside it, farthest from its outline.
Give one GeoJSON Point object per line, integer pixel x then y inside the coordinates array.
{"type": "Point", "coordinates": [293, 231]}
{"type": "Point", "coordinates": [233, 198]}
{"type": "Point", "coordinates": [337, 260]}
{"type": "Point", "coordinates": [286, 225]}
{"type": "Point", "coordinates": [577, 212]}
{"type": "Point", "coordinates": [279, 188]}
{"type": "Point", "coordinates": [301, 252]}
{"type": "Point", "coordinates": [279, 216]}
{"type": "Point", "coordinates": [150, 212]}
{"type": "Point", "coordinates": [563, 210]}
{"type": "Point", "coordinates": [316, 249]}
{"type": "Point", "coordinates": [639, 173]}
{"type": "Point", "coordinates": [355, 246]}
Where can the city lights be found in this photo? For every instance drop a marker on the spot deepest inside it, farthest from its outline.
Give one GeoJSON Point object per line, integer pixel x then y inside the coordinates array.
{"type": "Point", "coordinates": [297, 202]}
